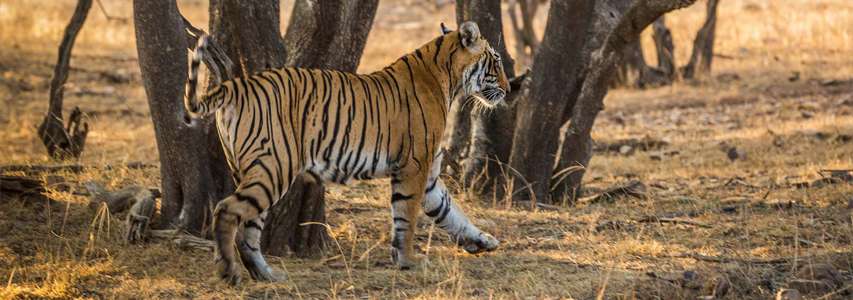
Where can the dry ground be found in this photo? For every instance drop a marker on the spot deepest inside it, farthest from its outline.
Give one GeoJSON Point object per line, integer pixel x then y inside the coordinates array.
{"type": "Point", "coordinates": [781, 92]}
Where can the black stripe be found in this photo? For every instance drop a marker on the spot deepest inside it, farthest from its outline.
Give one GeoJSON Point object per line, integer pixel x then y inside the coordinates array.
{"type": "Point", "coordinates": [431, 186]}
{"type": "Point", "coordinates": [399, 197]}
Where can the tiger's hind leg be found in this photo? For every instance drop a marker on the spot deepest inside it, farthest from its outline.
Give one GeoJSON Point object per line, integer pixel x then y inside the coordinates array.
{"type": "Point", "coordinates": [249, 246]}
{"type": "Point", "coordinates": [252, 197]}
{"type": "Point", "coordinates": [407, 195]}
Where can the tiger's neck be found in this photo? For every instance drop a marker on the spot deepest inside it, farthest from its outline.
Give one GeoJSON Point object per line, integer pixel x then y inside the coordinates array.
{"type": "Point", "coordinates": [425, 73]}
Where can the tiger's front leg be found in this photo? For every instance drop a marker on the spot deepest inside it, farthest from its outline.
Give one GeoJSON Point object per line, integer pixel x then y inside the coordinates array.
{"type": "Point", "coordinates": [439, 206]}
{"type": "Point", "coordinates": [406, 198]}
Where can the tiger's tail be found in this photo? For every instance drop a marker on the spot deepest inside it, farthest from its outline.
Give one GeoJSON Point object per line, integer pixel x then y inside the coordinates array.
{"type": "Point", "coordinates": [214, 99]}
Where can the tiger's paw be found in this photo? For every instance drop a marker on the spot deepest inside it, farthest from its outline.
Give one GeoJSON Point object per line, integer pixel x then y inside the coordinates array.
{"type": "Point", "coordinates": [405, 262]}
{"type": "Point", "coordinates": [228, 272]}
{"type": "Point", "coordinates": [267, 275]}
{"type": "Point", "coordinates": [482, 243]}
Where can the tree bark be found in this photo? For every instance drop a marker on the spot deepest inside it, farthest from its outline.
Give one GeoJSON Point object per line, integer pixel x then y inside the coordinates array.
{"type": "Point", "coordinates": [703, 45]}
{"type": "Point", "coordinates": [557, 67]}
{"type": "Point", "coordinates": [65, 141]}
{"type": "Point", "coordinates": [193, 171]}
{"type": "Point", "coordinates": [490, 134]}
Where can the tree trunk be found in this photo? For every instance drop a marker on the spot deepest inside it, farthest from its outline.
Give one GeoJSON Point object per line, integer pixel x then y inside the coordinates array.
{"type": "Point", "coordinates": [525, 37]}
{"type": "Point", "coordinates": [490, 135]}
{"type": "Point", "coordinates": [193, 171]}
{"type": "Point", "coordinates": [665, 47]}
{"type": "Point", "coordinates": [65, 142]}
{"type": "Point", "coordinates": [703, 45]}
{"type": "Point", "coordinates": [557, 67]}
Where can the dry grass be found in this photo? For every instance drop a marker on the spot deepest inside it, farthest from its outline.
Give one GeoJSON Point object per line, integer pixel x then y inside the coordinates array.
{"type": "Point", "coordinates": [70, 251]}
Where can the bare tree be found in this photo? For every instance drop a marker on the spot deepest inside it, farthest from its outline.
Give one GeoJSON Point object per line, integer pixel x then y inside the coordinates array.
{"type": "Point", "coordinates": [703, 44]}
{"type": "Point", "coordinates": [65, 141]}
{"type": "Point", "coordinates": [664, 46]}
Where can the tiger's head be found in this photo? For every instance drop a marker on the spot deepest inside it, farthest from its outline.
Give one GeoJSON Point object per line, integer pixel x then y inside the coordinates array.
{"type": "Point", "coordinates": [483, 76]}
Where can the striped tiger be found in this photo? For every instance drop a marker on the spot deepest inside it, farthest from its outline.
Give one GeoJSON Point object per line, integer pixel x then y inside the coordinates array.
{"type": "Point", "coordinates": [337, 126]}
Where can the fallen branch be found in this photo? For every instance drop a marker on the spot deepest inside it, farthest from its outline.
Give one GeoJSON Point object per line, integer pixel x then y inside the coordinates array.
{"type": "Point", "coordinates": [634, 188]}
{"type": "Point", "coordinates": [654, 219]}
{"type": "Point", "coordinates": [538, 205]}
{"type": "Point", "coordinates": [182, 240]}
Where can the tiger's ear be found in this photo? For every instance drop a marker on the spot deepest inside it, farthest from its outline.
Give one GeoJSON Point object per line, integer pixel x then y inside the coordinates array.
{"type": "Point", "coordinates": [444, 29]}
{"type": "Point", "coordinates": [469, 35]}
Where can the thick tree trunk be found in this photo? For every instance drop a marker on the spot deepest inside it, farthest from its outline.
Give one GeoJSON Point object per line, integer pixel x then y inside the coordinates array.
{"type": "Point", "coordinates": [703, 45]}
{"type": "Point", "coordinates": [193, 171]}
{"type": "Point", "coordinates": [65, 141]}
{"type": "Point", "coordinates": [557, 66]}
{"type": "Point", "coordinates": [490, 135]}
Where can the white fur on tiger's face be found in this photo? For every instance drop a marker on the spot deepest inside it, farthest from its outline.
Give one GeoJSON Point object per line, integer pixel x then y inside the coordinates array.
{"type": "Point", "coordinates": [336, 126]}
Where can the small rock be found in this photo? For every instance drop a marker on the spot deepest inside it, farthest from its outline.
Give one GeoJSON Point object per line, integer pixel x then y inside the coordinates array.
{"type": "Point", "coordinates": [822, 135]}
{"type": "Point", "coordinates": [778, 141]}
{"type": "Point", "coordinates": [734, 154]}
{"type": "Point", "coordinates": [794, 77]}
{"type": "Point", "coordinates": [807, 114]}
{"type": "Point", "coordinates": [788, 294]}
{"type": "Point", "coordinates": [626, 150]}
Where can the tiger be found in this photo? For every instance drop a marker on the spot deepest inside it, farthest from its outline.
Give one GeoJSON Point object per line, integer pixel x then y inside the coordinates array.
{"type": "Point", "coordinates": [336, 126]}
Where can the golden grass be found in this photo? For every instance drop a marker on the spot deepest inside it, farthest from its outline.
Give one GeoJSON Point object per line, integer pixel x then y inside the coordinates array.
{"type": "Point", "coordinates": [70, 251]}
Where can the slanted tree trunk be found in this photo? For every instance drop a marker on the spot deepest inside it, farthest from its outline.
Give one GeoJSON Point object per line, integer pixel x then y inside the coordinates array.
{"type": "Point", "coordinates": [194, 175]}
{"type": "Point", "coordinates": [65, 141]}
{"type": "Point", "coordinates": [703, 45]}
{"type": "Point", "coordinates": [490, 134]}
{"type": "Point", "coordinates": [602, 64]}
{"type": "Point", "coordinates": [557, 66]}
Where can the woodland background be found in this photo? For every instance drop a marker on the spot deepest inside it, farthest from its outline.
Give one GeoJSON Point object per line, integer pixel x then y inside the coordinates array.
{"type": "Point", "coordinates": [738, 196]}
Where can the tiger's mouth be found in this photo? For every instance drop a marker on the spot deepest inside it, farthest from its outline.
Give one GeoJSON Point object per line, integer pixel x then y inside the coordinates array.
{"type": "Point", "coordinates": [490, 97]}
